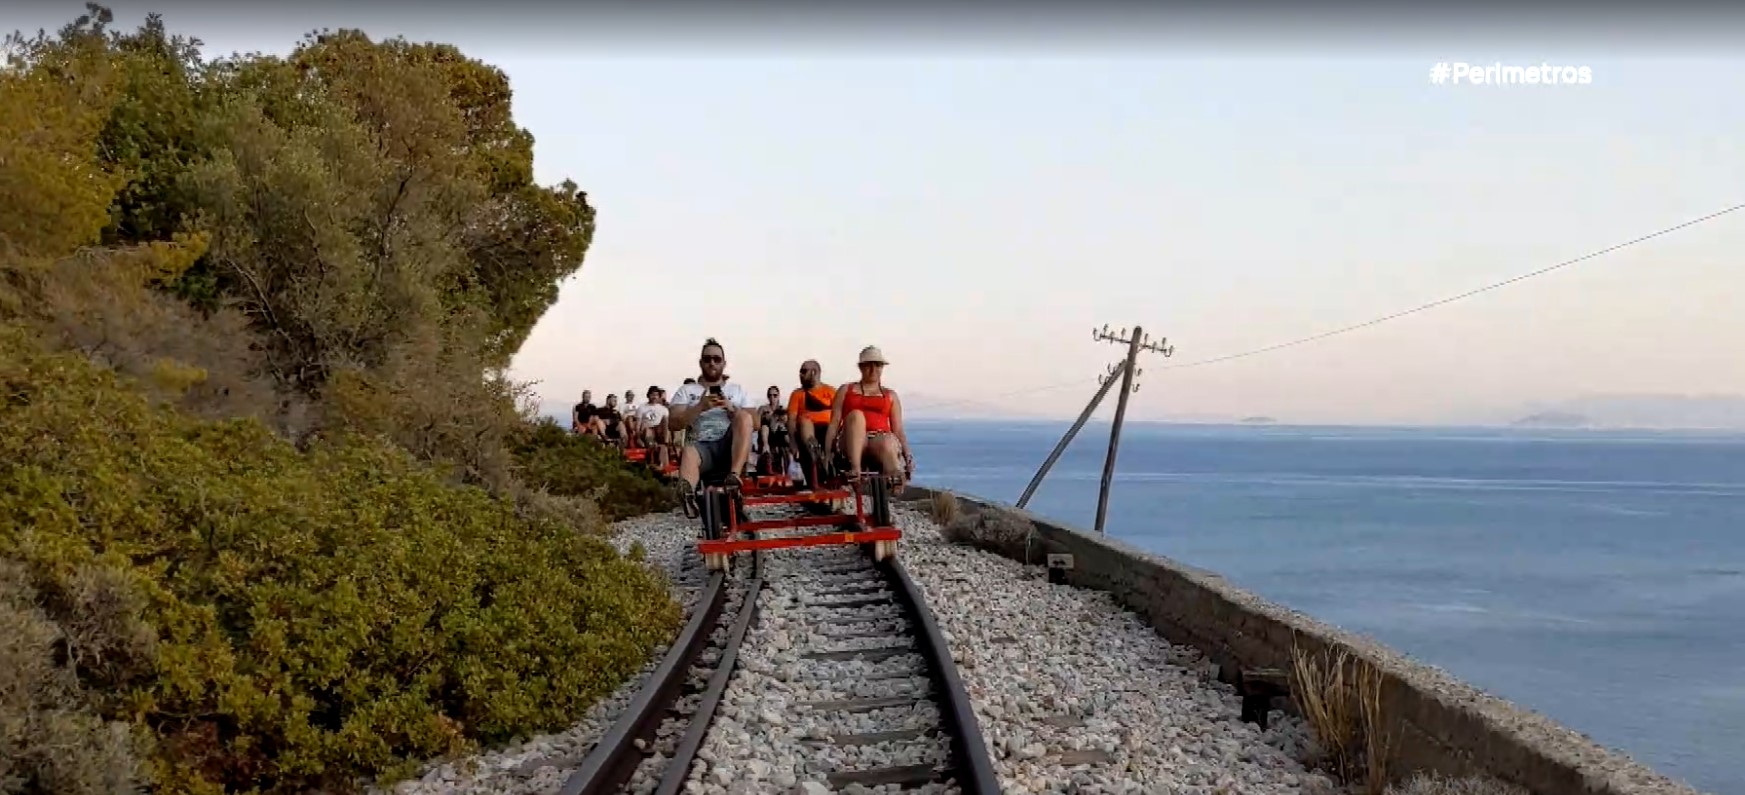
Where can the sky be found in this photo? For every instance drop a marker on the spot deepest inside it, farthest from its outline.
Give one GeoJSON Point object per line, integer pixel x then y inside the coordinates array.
{"type": "Point", "coordinates": [975, 201]}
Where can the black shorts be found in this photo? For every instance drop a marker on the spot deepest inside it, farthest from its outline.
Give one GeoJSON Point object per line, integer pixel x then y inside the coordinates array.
{"type": "Point", "coordinates": [715, 458]}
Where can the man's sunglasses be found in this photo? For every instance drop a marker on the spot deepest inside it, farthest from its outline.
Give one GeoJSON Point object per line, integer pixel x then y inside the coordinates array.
{"type": "Point", "coordinates": [710, 359]}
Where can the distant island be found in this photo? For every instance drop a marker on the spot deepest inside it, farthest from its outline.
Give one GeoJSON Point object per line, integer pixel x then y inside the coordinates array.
{"type": "Point", "coordinates": [1554, 419]}
{"type": "Point", "coordinates": [1711, 412]}
{"type": "Point", "coordinates": [1258, 421]}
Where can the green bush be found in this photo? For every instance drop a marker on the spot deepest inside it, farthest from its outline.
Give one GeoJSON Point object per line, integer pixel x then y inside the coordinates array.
{"type": "Point", "coordinates": [283, 620]}
{"type": "Point", "coordinates": [565, 464]}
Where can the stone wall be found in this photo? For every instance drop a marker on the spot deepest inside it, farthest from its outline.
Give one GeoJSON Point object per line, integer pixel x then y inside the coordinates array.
{"type": "Point", "coordinates": [1437, 722]}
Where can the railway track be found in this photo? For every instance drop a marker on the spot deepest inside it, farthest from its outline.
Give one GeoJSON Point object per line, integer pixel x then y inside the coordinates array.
{"type": "Point", "coordinates": [896, 714]}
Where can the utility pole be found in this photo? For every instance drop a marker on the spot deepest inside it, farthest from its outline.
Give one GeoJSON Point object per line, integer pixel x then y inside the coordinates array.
{"type": "Point", "coordinates": [1135, 343]}
{"type": "Point", "coordinates": [1125, 372]}
{"type": "Point", "coordinates": [1108, 381]}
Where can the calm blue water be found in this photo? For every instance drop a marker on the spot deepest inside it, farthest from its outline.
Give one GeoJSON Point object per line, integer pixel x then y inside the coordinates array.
{"type": "Point", "coordinates": [1597, 577]}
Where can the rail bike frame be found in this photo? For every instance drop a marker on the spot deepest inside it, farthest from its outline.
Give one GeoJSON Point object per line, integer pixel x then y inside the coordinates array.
{"type": "Point", "coordinates": [726, 530]}
{"type": "Point", "coordinates": [639, 455]}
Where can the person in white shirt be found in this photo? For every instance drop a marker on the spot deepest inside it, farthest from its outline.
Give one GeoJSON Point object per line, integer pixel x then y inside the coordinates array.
{"type": "Point", "coordinates": [632, 416]}
{"type": "Point", "coordinates": [651, 417]}
{"type": "Point", "coordinates": [720, 421]}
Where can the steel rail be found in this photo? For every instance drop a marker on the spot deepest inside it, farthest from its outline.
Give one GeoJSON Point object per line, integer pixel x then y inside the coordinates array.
{"type": "Point", "coordinates": [612, 762]}
{"type": "Point", "coordinates": [678, 769]}
{"type": "Point", "coordinates": [973, 767]}
{"type": "Point", "coordinates": [615, 757]}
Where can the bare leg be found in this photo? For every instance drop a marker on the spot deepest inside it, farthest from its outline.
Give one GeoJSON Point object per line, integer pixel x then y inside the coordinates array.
{"type": "Point", "coordinates": [744, 425]}
{"type": "Point", "coordinates": [801, 440]}
{"type": "Point", "coordinates": [690, 466]}
{"type": "Point", "coordinates": [651, 440]}
{"type": "Point", "coordinates": [888, 453]}
{"type": "Point", "coordinates": [854, 440]}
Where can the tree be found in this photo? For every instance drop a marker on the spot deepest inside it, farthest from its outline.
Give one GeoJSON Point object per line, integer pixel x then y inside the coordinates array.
{"type": "Point", "coordinates": [519, 240]}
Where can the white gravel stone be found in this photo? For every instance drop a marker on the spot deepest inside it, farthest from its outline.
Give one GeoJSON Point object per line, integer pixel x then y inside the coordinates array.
{"type": "Point", "coordinates": [771, 733]}
{"type": "Point", "coordinates": [1054, 670]}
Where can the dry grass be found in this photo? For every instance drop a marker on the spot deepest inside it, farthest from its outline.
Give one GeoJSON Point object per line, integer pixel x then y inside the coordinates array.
{"type": "Point", "coordinates": [1432, 784]}
{"type": "Point", "coordinates": [1340, 696]}
{"type": "Point", "coordinates": [944, 508]}
{"type": "Point", "coordinates": [1325, 699]}
{"type": "Point", "coordinates": [94, 303]}
{"type": "Point", "coordinates": [1375, 735]}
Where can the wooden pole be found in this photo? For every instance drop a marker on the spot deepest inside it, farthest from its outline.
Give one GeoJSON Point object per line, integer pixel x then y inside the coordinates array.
{"type": "Point", "coordinates": [1077, 425]}
{"type": "Point", "coordinates": [1115, 431]}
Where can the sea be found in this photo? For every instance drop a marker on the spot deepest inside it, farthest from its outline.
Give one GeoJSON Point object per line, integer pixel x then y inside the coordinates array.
{"type": "Point", "coordinates": [1597, 577]}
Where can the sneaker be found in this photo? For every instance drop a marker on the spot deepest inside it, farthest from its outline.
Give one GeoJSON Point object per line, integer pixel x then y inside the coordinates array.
{"type": "Point", "coordinates": [687, 497]}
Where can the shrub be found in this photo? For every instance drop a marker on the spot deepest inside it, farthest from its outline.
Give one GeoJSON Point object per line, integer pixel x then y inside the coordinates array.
{"type": "Point", "coordinates": [285, 619]}
{"type": "Point", "coordinates": [565, 464]}
{"type": "Point", "coordinates": [434, 403]}
{"type": "Point", "coordinates": [996, 531]}
{"type": "Point", "coordinates": [50, 739]}
{"type": "Point", "coordinates": [98, 303]}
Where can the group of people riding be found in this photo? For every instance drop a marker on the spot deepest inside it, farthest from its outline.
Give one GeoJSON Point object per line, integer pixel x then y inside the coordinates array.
{"type": "Point", "coordinates": [626, 426]}
{"type": "Point", "coordinates": [717, 428]}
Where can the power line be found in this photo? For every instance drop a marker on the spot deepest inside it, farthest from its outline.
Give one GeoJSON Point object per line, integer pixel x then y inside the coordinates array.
{"type": "Point", "coordinates": [1016, 393]}
{"type": "Point", "coordinates": [1452, 299]}
{"type": "Point", "coordinates": [1374, 322]}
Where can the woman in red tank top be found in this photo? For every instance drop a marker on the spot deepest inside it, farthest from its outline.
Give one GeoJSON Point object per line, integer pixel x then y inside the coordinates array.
{"type": "Point", "coordinates": [867, 421]}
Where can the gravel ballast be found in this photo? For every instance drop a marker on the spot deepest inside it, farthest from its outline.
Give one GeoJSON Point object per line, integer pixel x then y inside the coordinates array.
{"type": "Point", "coordinates": [776, 730]}
{"type": "Point", "coordinates": [1073, 693]}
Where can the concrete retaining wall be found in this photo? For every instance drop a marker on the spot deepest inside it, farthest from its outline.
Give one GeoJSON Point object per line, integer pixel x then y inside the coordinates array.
{"type": "Point", "coordinates": [1438, 723]}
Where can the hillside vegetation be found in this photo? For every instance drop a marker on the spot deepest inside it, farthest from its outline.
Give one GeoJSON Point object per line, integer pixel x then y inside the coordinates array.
{"type": "Point", "coordinates": [273, 518]}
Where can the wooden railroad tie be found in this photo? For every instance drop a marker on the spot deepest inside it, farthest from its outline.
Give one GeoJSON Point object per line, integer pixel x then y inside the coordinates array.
{"type": "Point", "coordinates": [1258, 687]}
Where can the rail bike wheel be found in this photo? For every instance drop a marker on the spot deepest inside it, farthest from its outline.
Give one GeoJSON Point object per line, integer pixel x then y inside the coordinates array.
{"type": "Point", "coordinates": [880, 492]}
{"type": "Point", "coordinates": [709, 509]}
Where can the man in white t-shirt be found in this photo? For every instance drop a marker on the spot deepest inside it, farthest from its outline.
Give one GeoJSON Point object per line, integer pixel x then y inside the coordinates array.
{"type": "Point", "coordinates": [632, 415]}
{"type": "Point", "coordinates": [651, 419]}
{"type": "Point", "coordinates": [720, 420]}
